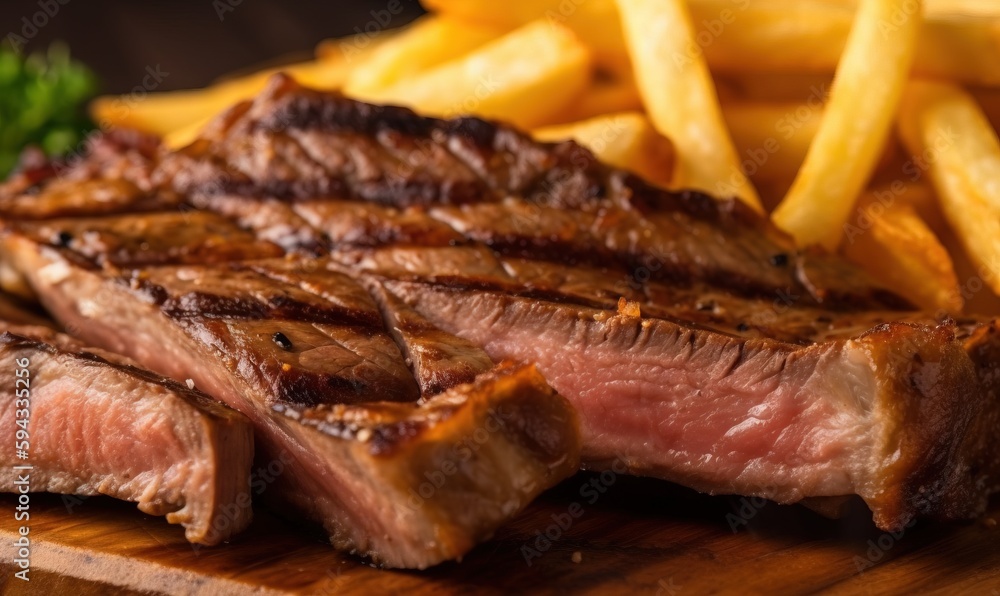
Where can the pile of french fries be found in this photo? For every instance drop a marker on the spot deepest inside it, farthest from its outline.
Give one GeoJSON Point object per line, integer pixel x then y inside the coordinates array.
{"type": "Point", "coordinates": [868, 127]}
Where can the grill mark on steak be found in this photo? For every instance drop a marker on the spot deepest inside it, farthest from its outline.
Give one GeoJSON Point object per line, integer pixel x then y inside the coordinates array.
{"type": "Point", "coordinates": [438, 360]}
{"type": "Point", "coordinates": [692, 236]}
{"type": "Point", "coordinates": [253, 292]}
{"type": "Point", "coordinates": [352, 224]}
{"type": "Point", "coordinates": [341, 352]}
{"type": "Point", "coordinates": [157, 238]}
{"type": "Point", "coordinates": [272, 220]}
{"type": "Point", "coordinates": [339, 370]}
{"type": "Point", "coordinates": [780, 317]}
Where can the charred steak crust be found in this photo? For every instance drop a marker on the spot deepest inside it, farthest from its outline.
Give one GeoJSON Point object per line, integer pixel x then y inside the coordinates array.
{"type": "Point", "coordinates": [325, 145]}
{"type": "Point", "coordinates": [345, 371]}
{"type": "Point", "coordinates": [431, 476]}
{"type": "Point", "coordinates": [695, 341]}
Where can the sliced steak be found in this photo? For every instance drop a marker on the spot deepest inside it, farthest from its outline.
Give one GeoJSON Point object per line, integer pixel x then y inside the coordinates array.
{"type": "Point", "coordinates": [695, 341]}
{"type": "Point", "coordinates": [302, 350]}
{"type": "Point", "coordinates": [430, 480]}
{"type": "Point", "coordinates": [882, 415]}
{"type": "Point", "coordinates": [92, 423]}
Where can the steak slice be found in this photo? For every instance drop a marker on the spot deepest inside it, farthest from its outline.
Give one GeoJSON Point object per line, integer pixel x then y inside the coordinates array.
{"type": "Point", "coordinates": [696, 342]}
{"type": "Point", "coordinates": [302, 350]}
{"type": "Point", "coordinates": [432, 478]}
{"type": "Point", "coordinates": [883, 415]}
{"type": "Point", "coordinates": [97, 425]}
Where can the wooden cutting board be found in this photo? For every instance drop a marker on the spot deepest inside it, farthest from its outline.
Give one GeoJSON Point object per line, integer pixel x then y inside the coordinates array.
{"type": "Point", "coordinates": [638, 536]}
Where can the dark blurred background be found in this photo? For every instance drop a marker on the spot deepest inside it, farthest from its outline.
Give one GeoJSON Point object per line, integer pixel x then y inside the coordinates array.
{"type": "Point", "coordinates": [192, 41]}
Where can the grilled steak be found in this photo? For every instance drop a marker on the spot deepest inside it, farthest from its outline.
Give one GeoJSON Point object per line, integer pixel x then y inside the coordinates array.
{"type": "Point", "coordinates": [92, 423]}
{"type": "Point", "coordinates": [695, 341]}
{"type": "Point", "coordinates": [301, 349]}
{"type": "Point", "coordinates": [409, 459]}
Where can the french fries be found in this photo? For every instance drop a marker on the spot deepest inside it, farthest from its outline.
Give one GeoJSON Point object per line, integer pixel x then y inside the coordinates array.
{"type": "Point", "coordinates": [856, 122]}
{"type": "Point", "coordinates": [607, 93]}
{"type": "Point", "coordinates": [977, 296]}
{"type": "Point", "coordinates": [178, 111]}
{"type": "Point", "coordinates": [959, 40]}
{"type": "Point", "coordinates": [772, 138]}
{"type": "Point", "coordinates": [771, 87]}
{"type": "Point", "coordinates": [989, 101]}
{"type": "Point", "coordinates": [186, 134]}
{"type": "Point", "coordinates": [947, 132]}
{"type": "Point", "coordinates": [896, 246]}
{"type": "Point", "coordinates": [679, 95]}
{"type": "Point", "coordinates": [595, 22]}
{"type": "Point", "coordinates": [524, 77]}
{"type": "Point", "coordinates": [163, 113]}
{"type": "Point", "coordinates": [627, 140]}
{"type": "Point", "coordinates": [787, 36]}
{"type": "Point", "coordinates": [425, 44]}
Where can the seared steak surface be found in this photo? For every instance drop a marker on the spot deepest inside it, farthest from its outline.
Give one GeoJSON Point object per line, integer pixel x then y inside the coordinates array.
{"type": "Point", "coordinates": [98, 425]}
{"type": "Point", "coordinates": [310, 254]}
{"type": "Point", "coordinates": [302, 350]}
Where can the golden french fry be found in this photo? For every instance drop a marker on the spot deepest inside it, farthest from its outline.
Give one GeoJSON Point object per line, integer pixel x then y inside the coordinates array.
{"type": "Point", "coordinates": [595, 22]}
{"type": "Point", "coordinates": [186, 134]}
{"type": "Point", "coordinates": [773, 87]}
{"type": "Point", "coordinates": [607, 93]}
{"type": "Point", "coordinates": [772, 138]}
{"type": "Point", "coordinates": [788, 36]}
{"type": "Point", "coordinates": [507, 14]}
{"type": "Point", "coordinates": [855, 125]}
{"type": "Point", "coordinates": [920, 196]}
{"type": "Point", "coordinates": [524, 77]}
{"type": "Point", "coordinates": [355, 47]}
{"type": "Point", "coordinates": [978, 297]}
{"type": "Point", "coordinates": [953, 8]}
{"type": "Point", "coordinates": [960, 40]}
{"type": "Point", "coordinates": [810, 36]}
{"type": "Point", "coordinates": [626, 140]}
{"type": "Point", "coordinates": [948, 134]}
{"type": "Point", "coordinates": [892, 242]}
{"type": "Point", "coordinates": [425, 44]}
{"type": "Point", "coordinates": [679, 96]}
{"type": "Point", "coordinates": [989, 101]}
{"type": "Point", "coordinates": [164, 113]}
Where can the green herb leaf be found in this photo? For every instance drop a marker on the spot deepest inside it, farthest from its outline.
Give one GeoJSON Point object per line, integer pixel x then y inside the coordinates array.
{"type": "Point", "coordinates": [42, 100]}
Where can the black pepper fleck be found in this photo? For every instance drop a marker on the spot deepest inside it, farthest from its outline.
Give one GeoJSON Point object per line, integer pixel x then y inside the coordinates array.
{"type": "Point", "coordinates": [779, 260]}
{"type": "Point", "coordinates": [63, 238]}
{"type": "Point", "coordinates": [283, 342]}
{"type": "Point", "coordinates": [742, 327]}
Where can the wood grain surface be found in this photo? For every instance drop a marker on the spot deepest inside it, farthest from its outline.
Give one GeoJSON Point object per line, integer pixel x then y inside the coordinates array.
{"type": "Point", "coordinates": [638, 536]}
